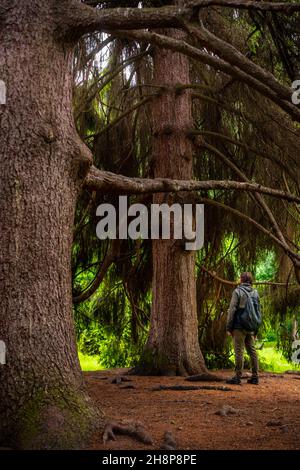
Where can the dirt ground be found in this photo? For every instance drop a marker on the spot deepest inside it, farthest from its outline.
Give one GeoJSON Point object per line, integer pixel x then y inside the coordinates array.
{"type": "Point", "coordinates": [266, 416]}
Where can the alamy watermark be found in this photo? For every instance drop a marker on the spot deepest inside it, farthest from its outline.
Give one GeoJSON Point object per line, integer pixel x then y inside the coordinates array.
{"type": "Point", "coordinates": [296, 94]}
{"type": "Point", "coordinates": [2, 352]}
{"type": "Point", "coordinates": [2, 92]}
{"type": "Point", "coordinates": [162, 221]}
{"type": "Point", "coordinates": [296, 352]}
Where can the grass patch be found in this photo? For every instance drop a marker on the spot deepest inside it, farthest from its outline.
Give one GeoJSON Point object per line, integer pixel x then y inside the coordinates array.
{"type": "Point", "coordinates": [272, 360]}
{"type": "Point", "coordinates": [88, 363]}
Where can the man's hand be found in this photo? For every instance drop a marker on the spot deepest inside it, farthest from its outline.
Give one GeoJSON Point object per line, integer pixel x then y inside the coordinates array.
{"type": "Point", "coordinates": [229, 333]}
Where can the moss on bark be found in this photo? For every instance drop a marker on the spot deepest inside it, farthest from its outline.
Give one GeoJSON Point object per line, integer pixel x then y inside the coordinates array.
{"type": "Point", "coordinates": [56, 419]}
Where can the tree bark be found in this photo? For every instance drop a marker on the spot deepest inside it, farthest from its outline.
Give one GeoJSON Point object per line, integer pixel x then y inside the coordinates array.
{"type": "Point", "coordinates": [172, 347]}
{"type": "Point", "coordinates": [43, 402]}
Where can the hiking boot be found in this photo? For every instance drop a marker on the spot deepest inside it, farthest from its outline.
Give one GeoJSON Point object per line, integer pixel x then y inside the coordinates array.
{"type": "Point", "coordinates": [234, 381]}
{"type": "Point", "coordinates": [253, 380]}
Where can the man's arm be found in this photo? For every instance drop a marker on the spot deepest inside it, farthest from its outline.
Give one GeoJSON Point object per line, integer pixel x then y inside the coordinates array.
{"type": "Point", "coordinates": [231, 311]}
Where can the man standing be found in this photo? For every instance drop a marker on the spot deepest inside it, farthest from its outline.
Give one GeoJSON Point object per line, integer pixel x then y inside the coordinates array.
{"type": "Point", "coordinates": [235, 327]}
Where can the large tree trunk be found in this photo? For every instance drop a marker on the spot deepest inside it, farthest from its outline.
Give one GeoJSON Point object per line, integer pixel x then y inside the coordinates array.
{"type": "Point", "coordinates": [172, 347]}
{"type": "Point", "coordinates": [42, 398]}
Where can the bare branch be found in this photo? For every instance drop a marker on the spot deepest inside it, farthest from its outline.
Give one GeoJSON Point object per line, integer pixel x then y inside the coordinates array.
{"type": "Point", "coordinates": [110, 257]}
{"type": "Point", "coordinates": [101, 83]}
{"type": "Point", "coordinates": [257, 196]}
{"type": "Point", "coordinates": [80, 19]}
{"type": "Point", "coordinates": [234, 57]}
{"type": "Point", "coordinates": [234, 284]}
{"type": "Point", "coordinates": [239, 4]}
{"type": "Point", "coordinates": [108, 182]}
{"type": "Point", "coordinates": [294, 256]}
{"type": "Point", "coordinates": [122, 116]}
{"type": "Point", "coordinates": [249, 5]}
{"type": "Point", "coordinates": [215, 62]}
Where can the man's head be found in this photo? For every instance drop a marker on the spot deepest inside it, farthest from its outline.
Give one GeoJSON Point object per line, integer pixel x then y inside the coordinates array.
{"type": "Point", "coordinates": [246, 278]}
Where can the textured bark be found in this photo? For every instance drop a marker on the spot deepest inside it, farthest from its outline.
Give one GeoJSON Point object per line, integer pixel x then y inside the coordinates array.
{"type": "Point", "coordinates": [172, 347]}
{"type": "Point", "coordinates": [81, 19]}
{"type": "Point", "coordinates": [43, 403]}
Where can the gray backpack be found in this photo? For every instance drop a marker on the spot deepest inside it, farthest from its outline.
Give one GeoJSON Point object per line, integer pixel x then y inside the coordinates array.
{"type": "Point", "coordinates": [250, 317]}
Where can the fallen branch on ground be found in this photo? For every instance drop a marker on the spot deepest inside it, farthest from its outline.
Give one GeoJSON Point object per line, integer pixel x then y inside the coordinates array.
{"type": "Point", "coordinates": [204, 378]}
{"type": "Point", "coordinates": [161, 388]}
{"type": "Point", "coordinates": [119, 379]}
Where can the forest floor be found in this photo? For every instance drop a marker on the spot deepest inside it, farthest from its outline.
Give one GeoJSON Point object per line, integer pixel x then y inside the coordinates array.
{"type": "Point", "coordinates": [266, 416]}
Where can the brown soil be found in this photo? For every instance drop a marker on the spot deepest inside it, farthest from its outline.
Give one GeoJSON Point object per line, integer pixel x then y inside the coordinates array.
{"type": "Point", "coordinates": [268, 414]}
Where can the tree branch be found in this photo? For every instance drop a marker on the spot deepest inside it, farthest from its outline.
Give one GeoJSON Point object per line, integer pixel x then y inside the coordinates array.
{"type": "Point", "coordinates": [110, 257]}
{"type": "Point", "coordinates": [108, 182]}
{"type": "Point", "coordinates": [122, 116]}
{"type": "Point", "coordinates": [257, 196]}
{"type": "Point", "coordinates": [80, 18]}
{"type": "Point", "coordinates": [294, 256]}
{"type": "Point", "coordinates": [234, 284]}
{"type": "Point", "coordinates": [233, 56]}
{"type": "Point", "coordinates": [239, 4]}
{"type": "Point", "coordinates": [248, 5]}
{"type": "Point", "coordinates": [215, 62]}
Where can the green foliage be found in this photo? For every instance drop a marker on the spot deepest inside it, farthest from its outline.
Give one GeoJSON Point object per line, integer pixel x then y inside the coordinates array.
{"type": "Point", "coordinates": [270, 336]}
{"type": "Point", "coordinates": [254, 40]}
{"type": "Point", "coordinates": [112, 326]}
{"type": "Point", "coordinates": [111, 350]}
{"type": "Point", "coordinates": [88, 363]}
{"type": "Point", "coordinates": [106, 330]}
{"type": "Point", "coordinates": [273, 360]}
{"type": "Point", "coordinates": [287, 335]}
{"type": "Point", "coordinates": [266, 266]}
{"type": "Point", "coordinates": [219, 361]}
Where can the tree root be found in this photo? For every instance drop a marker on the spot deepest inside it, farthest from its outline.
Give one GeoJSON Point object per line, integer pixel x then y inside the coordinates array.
{"type": "Point", "coordinates": [204, 378]}
{"type": "Point", "coordinates": [169, 442]}
{"type": "Point", "coordinates": [273, 376]}
{"type": "Point", "coordinates": [119, 379]}
{"type": "Point", "coordinates": [160, 388]}
{"type": "Point", "coordinates": [134, 430]}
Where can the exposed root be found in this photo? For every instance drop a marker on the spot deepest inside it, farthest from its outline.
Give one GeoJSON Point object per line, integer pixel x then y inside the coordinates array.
{"type": "Point", "coordinates": [273, 376]}
{"type": "Point", "coordinates": [227, 410]}
{"type": "Point", "coordinates": [134, 430]}
{"type": "Point", "coordinates": [221, 388]}
{"type": "Point", "coordinates": [292, 372]}
{"type": "Point", "coordinates": [119, 379]}
{"type": "Point", "coordinates": [205, 378]}
{"type": "Point", "coordinates": [163, 371]}
{"type": "Point", "coordinates": [169, 442]}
